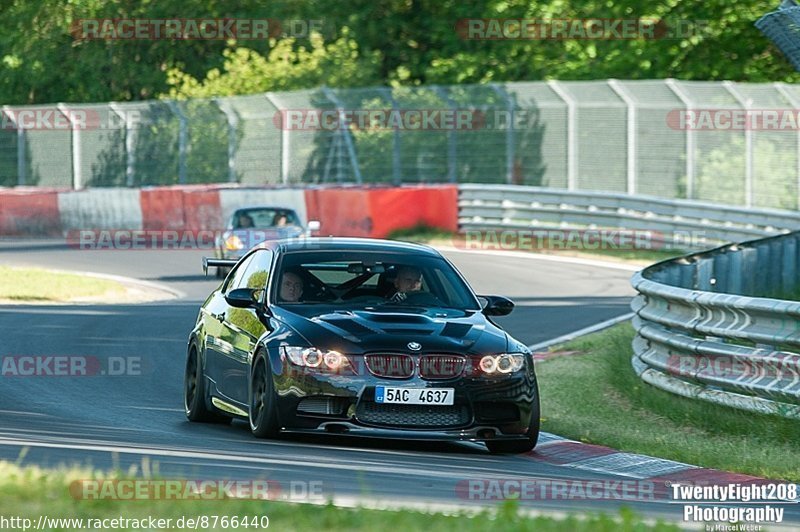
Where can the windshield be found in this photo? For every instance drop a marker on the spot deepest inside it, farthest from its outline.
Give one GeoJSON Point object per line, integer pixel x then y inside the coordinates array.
{"type": "Point", "coordinates": [263, 218]}
{"type": "Point", "coordinates": [350, 279]}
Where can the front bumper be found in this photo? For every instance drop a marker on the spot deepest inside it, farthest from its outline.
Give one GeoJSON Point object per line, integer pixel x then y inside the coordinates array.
{"type": "Point", "coordinates": [485, 408]}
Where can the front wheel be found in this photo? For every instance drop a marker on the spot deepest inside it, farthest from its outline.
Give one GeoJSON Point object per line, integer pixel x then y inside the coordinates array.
{"type": "Point", "coordinates": [263, 401]}
{"type": "Point", "coordinates": [522, 445]}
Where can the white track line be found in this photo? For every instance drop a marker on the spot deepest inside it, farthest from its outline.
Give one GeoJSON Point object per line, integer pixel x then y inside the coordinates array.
{"type": "Point", "coordinates": [580, 332]}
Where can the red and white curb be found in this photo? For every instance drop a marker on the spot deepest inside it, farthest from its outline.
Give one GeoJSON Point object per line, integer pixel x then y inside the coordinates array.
{"type": "Point", "coordinates": [571, 454]}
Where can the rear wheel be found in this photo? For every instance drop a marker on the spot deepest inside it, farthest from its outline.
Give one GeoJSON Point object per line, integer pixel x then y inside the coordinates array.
{"type": "Point", "coordinates": [263, 401]}
{"type": "Point", "coordinates": [194, 393]}
{"type": "Point", "coordinates": [531, 437]}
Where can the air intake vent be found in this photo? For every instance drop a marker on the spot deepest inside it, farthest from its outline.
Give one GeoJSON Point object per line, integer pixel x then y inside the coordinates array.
{"type": "Point", "coordinates": [413, 415]}
{"type": "Point", "coordinates": [328, 406]}
{"type": "Point", "coordinates": [456, 330]}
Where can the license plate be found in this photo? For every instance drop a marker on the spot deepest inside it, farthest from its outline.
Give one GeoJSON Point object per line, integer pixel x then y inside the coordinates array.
{"type": "Point", "coordinates": [414, 396]}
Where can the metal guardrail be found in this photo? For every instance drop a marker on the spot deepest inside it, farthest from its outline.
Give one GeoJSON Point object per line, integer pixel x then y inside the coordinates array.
{"type": "Point", "coordinates": [706, 330]}
{"type": "Point", "coordinates": [706, 327]}
{"type": "Point", "coordinates": [679, 224]}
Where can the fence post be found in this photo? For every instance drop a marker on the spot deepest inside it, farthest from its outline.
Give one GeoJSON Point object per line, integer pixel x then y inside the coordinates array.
{"type": "Point", "coordinates": [781, 88]}
{"type": "Point", "coordinates": [344, 130]}
{"type": "Point", "coordinates": [233, 126]}
{"type": "Point", "coordinates": [183, 139]}
{"type": "Point", "coordinates": [21, 162]}
{"type": "Point", "coordinates": [510, 137]}
{"type": "Point", "coordinates": [452, 146]}
{"type": "Point", "coordinates": [572, 135]}
{"type": "Point", "coordinates": [77, 177]}
{"type": "Point", "coordinates": [397, 172]}
{"type": "Point", "coordinates": [748, 143]}
{"type": "Point", "coordinates": [687, 103]}
{"type": "Point", "coordinates": [620, 91]}
{"type": "Point", "coordinates": [130, 143]}
{"type": "Point", "coordinates": [285, 146]}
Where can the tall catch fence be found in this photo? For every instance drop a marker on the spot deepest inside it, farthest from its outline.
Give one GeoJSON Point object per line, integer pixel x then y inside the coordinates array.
{"type": "Point", "coordinates": [731, 143]}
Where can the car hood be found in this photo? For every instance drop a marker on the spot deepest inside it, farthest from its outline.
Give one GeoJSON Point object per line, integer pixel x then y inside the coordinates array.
{"type": "Point", "coordinates": [361, 331]}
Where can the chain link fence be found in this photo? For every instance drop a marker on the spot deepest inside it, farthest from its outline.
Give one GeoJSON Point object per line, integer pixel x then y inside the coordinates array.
{"type": "Point", "coordinates": [732, 143]}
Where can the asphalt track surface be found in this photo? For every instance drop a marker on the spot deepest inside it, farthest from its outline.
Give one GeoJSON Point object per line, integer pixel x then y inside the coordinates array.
{"type": "Point", "coordinates": [109, 421]}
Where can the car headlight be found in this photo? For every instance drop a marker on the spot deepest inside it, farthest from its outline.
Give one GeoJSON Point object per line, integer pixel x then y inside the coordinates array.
{"type": "Point", "coordinates": [502, 364]}
{"type": "Point", "coordinates": [233, 243]}
{"type": "Point", "coordinates": [311, 357]}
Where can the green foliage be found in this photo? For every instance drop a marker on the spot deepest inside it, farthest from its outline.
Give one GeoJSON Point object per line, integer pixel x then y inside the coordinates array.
{"type": "Point", "coordinates": [287, 66]}
{"type": "Point", "coordinates": [721, 172]}
{"type": "Point", "coordinates": [366, 42]}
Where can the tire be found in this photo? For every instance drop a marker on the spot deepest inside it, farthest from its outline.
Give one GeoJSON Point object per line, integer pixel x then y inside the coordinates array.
{"type": "Point", "coordinates": [194, 393]}
{"type": "Point", "coordinates": [520, 446]}
{"type": "Point", "coordinates": [263, 413]}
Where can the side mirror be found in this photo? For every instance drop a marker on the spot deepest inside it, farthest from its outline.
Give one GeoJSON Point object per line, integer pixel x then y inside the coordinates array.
{"type": "Point", "coordinates": [497, 305]}
{"type": "Point", "coordinates": [314, 225]}
{"type": "Point", "coordinates": [242, 297]}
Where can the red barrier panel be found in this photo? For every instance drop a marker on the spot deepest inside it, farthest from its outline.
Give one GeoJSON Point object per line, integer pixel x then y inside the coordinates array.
{"type": "Point", "coordinates": [342, 211]}
{"type": "Point", "coordinates": [162, 208]}
{"type": "Point", "coordinates": [402, 208]}
{"type": "Point", "coordinates": [376, 212]}
{"type": "Point", "coordinates": [202, 209]}
{"type": "Point", "coordinates": [26, 212]}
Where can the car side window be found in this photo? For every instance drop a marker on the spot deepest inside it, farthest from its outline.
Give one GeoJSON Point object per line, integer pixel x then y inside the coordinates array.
{"type": "Point", "coordinates": [257, 272]}
{"type": "Point", "coordinates": [236, 276]}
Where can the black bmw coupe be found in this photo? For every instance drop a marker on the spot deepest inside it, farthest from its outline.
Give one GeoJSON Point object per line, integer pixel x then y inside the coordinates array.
{"type": "Point", "coordinates": [359, 337]}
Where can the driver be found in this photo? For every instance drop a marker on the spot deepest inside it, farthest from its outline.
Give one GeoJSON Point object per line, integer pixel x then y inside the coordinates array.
{"type": "Point", "coordinates": [244, 221]}
{"type": "Point", "coordinates": [408, 279]}
{"type": "Point", "coordinates": [291, 289]}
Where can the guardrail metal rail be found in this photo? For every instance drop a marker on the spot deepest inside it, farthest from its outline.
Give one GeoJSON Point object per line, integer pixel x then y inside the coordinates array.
{"type": "Point", "coordinates": [705, 328]}
{"type": "Point", "coordinates": [678, 224]}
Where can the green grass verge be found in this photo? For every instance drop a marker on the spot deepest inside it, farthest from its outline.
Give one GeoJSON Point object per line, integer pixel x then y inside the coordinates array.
{"type": "Point", "coordinates": [34, 284]}
{"type": "Point", "coordinates": [430, 235]}
{"type": "Point", "coordinates": [597, 398]}
{"type": "Point", "coordinates": [32, 492]}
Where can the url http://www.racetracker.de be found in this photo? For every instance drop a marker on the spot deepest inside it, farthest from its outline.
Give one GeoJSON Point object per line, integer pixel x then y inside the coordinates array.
{"type": "Point", "coordinates": [198, 522]}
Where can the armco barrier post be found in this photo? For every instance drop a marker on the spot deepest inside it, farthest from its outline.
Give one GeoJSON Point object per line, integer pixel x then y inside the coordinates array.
{"type": "Point", "coordinates": [789, 266]}
{"type": "Point", "coordinates": [734, 285]}
{"type": "Point", "coordinates": [776, 260]}
{"type": "Point", "coordinates": [720, 269]}
{"type": "Point", "coordinates": [761, 280]}
{"type": "Point", "coordinates": [705, 272]}
{"type": "Point", "coordinates": [749, 265]}
{"type": "Point", "coordinates": [687, 276]}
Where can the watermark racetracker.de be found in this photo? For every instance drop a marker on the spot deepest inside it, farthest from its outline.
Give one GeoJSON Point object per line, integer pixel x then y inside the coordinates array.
{"type": "Point", "coordinates": [71, 366]}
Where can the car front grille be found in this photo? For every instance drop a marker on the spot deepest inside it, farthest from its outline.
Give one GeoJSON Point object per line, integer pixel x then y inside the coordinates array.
{"type": "Point", "coordinates": [393, 366]}
{"type": "Point", "coordinates": [422, 416]}
{"type": "Point", "coordinates": [433, 367]}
